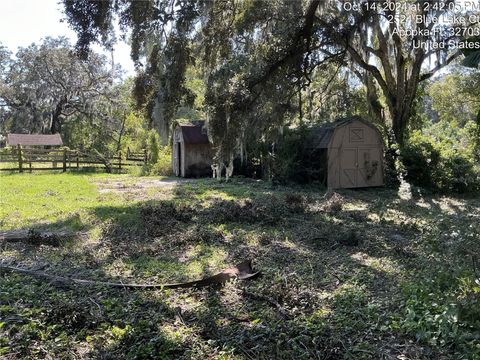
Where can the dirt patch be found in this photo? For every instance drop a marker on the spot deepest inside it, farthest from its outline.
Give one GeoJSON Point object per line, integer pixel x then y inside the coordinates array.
{"type": "Point", "coordinates": [142, 184]}
{"type": "Point", "coordinates": [140, 189]}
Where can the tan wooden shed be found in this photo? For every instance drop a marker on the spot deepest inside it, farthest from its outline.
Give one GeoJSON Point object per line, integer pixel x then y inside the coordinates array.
{"type": "Point", "coordinates": [351, 153]}
{"type": "Point", "coordinates": [192, 154]}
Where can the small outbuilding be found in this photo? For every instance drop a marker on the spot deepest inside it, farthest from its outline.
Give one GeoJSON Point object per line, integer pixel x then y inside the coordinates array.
{"type": "Point", "coordinates": [192, 154]}
{"type": "Point", "coordinates": [348, 153]}
{"type": "Point", "coordinates": [29, 140]}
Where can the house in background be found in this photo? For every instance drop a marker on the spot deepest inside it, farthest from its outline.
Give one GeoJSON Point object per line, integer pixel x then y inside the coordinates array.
{"type": "Point", "coordinates": [34, 140]}
{"type": "Point", "coordinates": [347, 153]}
{"type": "Point", "coordinates": [192, 154]}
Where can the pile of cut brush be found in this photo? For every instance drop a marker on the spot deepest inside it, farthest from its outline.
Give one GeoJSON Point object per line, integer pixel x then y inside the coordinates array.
{"type": "Point", "coordinates": [265, 209]}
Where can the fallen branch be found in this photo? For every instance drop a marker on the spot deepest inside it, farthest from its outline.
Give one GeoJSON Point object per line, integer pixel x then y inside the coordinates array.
{"type": "Point", "coordinates": [242, 271]}
{"type": "Point", "coordinates": [29, 234]}
{"type": "Point", "coordinates": [268, 299]}
{"type": "Point", "coordinates": [106, 162]}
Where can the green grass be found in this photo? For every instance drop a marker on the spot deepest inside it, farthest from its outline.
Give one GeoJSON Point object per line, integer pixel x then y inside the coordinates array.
{"type": "Point", "coordinates": [361, 274]}
{"type": "Point", "coordinates": [35, 199]}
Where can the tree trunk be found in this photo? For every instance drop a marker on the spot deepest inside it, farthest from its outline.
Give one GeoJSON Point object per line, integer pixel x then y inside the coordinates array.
{"type": "Point", "coordinates": [160, 121]}
{"type": "Point", "coordinates": [401, 105]}
{"type": "Point", "coordinates": [56, 125]}
{"type": "Point", "coordinates": [300, 104]}
{"type": "Point", "coordinates": [398, 126]}
{"type": "Point", "coordinates": [119, 142]}
{"type": "Point", "coordinates": [375, 108]}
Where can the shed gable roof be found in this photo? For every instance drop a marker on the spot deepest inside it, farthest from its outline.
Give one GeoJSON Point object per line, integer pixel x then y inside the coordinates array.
{"type": "Point", "coordinates": [194, 134]}
{"type": "Point", "coordinates": [34, 140]}
{"type": "Point", "coordinates": [321, 135]}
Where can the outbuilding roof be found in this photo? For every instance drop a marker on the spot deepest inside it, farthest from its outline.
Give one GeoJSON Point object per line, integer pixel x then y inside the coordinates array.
{"type": "Point", "coordinates": [194, 134]}
{"type": "Point", "coordinates": [321, 135]}
{"type": "Point", "coordinates": [34, 140]}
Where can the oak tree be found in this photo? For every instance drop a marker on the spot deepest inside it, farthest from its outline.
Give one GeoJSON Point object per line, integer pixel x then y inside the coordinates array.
{"type": "Point", "coordinates": [256, 55]}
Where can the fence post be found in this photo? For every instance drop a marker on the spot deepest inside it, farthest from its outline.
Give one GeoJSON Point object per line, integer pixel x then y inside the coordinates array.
{"type": "Point", "coordinates": [119, 160]}
{"type": "Point", "coordinates": [20, 160]}
{"type": "Point", "coordinates": [78, 160]}
{"type": "Point", "coordinates": [145, 156]}
{"type": "Point", "coordinates": [64, 160]}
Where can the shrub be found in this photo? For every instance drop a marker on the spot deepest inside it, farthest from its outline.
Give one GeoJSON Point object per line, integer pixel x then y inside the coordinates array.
{"type": "Point", "coordinates": [393, 167]}
{"type": "Point", "coordinates": [458, 174]}
{"type": "Point", "coordinates": [153, 146]}
{"type": "Point", "coordinates": [286, 164]}
{"type": "Point", "coordinates": [160, 157]}
{"type": "Point", "coordinates": [437, 166]}
{"type": "Point", "coordinates": [421, 158]}
{"type": "Point", "coordinates": [163, 165]}
{"type": "Point", "coordinates": [443, 311]}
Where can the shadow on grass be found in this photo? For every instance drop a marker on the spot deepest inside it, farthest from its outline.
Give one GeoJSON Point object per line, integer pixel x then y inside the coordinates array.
{"type": "Point", "coordinates": [40, 320]}
{"type": "Point", "coordinates": [300, 254]}
{"type": "Point", "coordinates": [334, 273]}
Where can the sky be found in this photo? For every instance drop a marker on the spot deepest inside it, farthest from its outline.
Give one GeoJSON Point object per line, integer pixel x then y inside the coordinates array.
{"type": "Point", "coordinates": [23, 22]}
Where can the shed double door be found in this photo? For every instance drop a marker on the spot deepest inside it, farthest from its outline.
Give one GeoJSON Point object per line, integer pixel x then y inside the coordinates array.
{"type": "Point", "coordinates": [360, 167]}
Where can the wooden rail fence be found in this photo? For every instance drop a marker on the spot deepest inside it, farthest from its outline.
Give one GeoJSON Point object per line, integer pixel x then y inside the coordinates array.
{"type": "Point", "coordinates": [29, 159]}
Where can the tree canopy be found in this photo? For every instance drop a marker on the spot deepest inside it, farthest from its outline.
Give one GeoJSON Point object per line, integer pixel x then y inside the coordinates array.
{"type": "Point", "coordinates": [257, 56]}
{"type": "Point", "coordinates": [47, 87]}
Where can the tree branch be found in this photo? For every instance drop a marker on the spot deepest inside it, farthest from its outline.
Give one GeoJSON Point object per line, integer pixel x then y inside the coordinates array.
{"type": "Point", "coordinates": [370, 68]}
{"type": "Point", "coordinates": [429, 74]}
